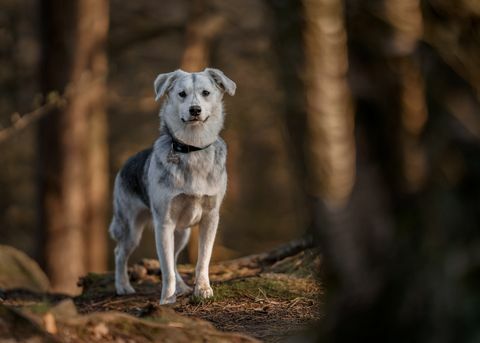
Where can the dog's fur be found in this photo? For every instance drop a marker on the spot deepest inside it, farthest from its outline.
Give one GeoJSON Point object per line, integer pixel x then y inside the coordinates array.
{"type": "Point", "coordinates": [176, 190]}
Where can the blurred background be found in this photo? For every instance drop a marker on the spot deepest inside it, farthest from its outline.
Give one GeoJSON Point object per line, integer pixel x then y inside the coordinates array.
{"type": "Point", "coordinates": [355, 121]}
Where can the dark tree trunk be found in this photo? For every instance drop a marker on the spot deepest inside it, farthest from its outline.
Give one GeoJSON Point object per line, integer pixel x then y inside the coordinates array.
{"type": "Point", "coordinates": [74, 62]}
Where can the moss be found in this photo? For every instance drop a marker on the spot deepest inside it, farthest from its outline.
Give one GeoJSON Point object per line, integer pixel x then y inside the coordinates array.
{"type": "Point", "coordinates": [17, 270]}
{"type": "Point", "coordinates": [39, 308]}
{"type": "Point", "coordinates": [254, 288]}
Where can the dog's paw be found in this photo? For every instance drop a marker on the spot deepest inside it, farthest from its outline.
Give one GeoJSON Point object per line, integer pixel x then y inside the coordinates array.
{"type": "Point", "coordinates": [124, 289]}
{"type": "Point", "coordinates": [168, 300]}
{"type": "Point", "coordinates": [203, 292]}
{"type": "Point", "coordinates": [181, 288]}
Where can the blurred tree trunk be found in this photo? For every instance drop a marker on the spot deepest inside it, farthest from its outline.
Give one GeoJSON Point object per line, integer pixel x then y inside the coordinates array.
{"type": "Point", "coordinates": [331, 163]}
{"type": "Point", "coordinates": [97, 180]}
{"type": "Point", "coordinates": [322, 131]}
{"type": "Point", "coordinates": [330, 145]}
{"type": "Point", "coordinates": [202, 28]}
{"type": "Point", "coordinates": [74, 60]}
{"type": "Point", "coordinates": [288, 31]}
{"type": "Point", "coordinates": [405, 18]}
{"type": "Point", "coordinates": [368, 252]}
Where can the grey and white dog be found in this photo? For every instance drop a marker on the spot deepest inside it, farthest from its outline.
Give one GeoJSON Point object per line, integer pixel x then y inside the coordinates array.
{"type": "Point", "coordinates": [178, 183]}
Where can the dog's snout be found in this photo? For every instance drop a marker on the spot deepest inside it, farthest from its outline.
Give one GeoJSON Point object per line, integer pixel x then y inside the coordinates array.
{"type": "Point", "coordinates": [195, 111]}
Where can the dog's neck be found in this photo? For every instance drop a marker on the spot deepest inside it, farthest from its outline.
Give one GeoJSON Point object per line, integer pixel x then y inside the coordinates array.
{"type": "Point", "coordinates": [179, 146]}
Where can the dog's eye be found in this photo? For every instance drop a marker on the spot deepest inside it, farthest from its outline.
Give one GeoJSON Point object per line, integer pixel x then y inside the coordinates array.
{"type": "Point", "coordinates": [182, 94]}
{"type": "Point", "coordinates": [205, 93]}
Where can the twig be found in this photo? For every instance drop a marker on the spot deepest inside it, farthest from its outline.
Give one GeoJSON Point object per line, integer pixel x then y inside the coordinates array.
{"type": "Point", "coordinates": [20, 122]}
{"type": "Point", "coordinates": [54, 100]}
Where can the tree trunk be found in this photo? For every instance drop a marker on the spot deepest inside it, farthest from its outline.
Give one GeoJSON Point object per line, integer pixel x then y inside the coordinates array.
{"type": "Point", "coordinates": [330, 145]}
{"type": "Point", "coordinates": [405, 18]}
{"type": "Point", "coordinates": [201, 30]}
{"type": "Point", "coordinates": [74, 61]}
{"type": "Point", "coordinates": [288, 32]}
{"type": "Point", "coordinates": [98, 181]}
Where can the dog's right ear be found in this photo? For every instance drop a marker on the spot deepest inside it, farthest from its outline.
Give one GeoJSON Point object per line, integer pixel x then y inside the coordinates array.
{"type": "Point", "coordinates": [221, 80]}
{"type": "Point", "coordinates": [164, 82]}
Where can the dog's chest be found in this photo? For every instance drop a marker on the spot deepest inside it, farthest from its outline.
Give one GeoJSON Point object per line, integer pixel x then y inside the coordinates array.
{"type": "Point", "coordinates": [186, 210]}
{"type": "Point", "coordinates": [198, 173]}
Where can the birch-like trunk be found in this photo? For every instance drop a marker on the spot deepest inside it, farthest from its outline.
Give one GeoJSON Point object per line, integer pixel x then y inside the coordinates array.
{"type": "Point", "coordinates": [330, 127]}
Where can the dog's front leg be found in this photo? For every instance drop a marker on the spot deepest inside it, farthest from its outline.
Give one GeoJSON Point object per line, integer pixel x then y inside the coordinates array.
{"type": "Point", "coordinates": [208, 228]}
{"type": "Point", "coordinates": [164, 238]}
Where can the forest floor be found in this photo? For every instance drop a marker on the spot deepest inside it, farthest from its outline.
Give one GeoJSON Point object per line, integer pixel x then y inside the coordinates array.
{"type": "Point", "coordinates": [267, 297]}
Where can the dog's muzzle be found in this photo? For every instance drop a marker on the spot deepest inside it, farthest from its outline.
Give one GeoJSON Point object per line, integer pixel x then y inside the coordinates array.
{"type": "Point", "coordinates": [195, 112]}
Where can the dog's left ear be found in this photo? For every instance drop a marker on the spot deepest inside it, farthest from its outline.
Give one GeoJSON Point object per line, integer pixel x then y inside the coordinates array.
{"type": "Point", "coordinates": [223, 82]}
{"type": "Point", "coordinates": [164, 82]}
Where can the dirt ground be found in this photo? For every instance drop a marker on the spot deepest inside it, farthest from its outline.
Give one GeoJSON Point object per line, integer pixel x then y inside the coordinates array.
{"type": "Point", "coordinates": [266, 297]}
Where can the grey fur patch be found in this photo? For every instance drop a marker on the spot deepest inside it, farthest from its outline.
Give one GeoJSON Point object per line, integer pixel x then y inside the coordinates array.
{"type": "Point", "coordinates": [133, 175]}
{"type": "Point", "coordinates": [165, 177]}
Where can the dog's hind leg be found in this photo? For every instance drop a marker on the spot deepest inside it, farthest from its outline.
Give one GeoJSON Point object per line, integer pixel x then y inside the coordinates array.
{"type": "Point", "coordinates": [181, 240]}
{"type": "Point", "coordinates": [127, 237]}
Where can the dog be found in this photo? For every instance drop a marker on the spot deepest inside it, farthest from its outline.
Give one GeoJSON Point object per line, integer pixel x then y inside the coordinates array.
{"type": "Point", "coordinates": [177, 183]}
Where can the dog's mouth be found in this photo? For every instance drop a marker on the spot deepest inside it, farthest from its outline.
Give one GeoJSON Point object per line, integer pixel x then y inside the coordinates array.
{"type": "Point", "coordinates": [194, 120]}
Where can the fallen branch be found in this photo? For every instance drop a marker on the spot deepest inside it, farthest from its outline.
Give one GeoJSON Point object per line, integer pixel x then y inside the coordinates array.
{"type": "Point", "coordinates": [289, 249]}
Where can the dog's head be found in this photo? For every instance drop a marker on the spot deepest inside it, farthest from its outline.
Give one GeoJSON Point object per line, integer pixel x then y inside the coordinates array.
{"type": "Point", "coordinates": [193, 107]}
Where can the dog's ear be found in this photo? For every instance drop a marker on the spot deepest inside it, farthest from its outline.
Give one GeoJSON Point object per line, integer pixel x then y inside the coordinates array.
{"type": "Point", "coordinates": [223, 82]}
{"type": "Point", "coordinates": [164, 82]}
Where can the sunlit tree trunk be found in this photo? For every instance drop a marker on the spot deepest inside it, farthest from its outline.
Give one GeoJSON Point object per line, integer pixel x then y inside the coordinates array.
{"type": "Point", "coordinates": [97, 181]}
{"type": "Point", "coordinates": [405, 18]}
{"type": "Point", "coordinates": [330, 145]}
{"type": "Point", "coordinates": [73, 60]}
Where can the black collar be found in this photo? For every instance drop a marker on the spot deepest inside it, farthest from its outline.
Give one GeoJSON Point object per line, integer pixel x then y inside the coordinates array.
{"type": "Point", "coordinates": [185, 148]}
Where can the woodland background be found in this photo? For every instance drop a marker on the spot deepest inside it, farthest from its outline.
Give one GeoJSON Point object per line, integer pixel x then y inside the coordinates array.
{"type": "Point", "coordinates": [355, 121]}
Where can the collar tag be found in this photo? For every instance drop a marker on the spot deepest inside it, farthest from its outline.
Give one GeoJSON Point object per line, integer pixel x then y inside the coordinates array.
{"type": "Point", "coordinates": [172, 157]}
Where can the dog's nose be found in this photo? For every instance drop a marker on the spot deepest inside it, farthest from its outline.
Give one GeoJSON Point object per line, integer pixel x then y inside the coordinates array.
{"type": "Point", "coordinates": [195, 111]}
